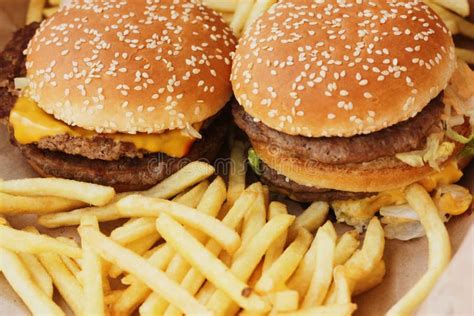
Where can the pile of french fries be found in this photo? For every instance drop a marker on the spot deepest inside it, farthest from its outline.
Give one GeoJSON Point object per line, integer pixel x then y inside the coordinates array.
{"type": "Point", "coordinates": [192, 246]}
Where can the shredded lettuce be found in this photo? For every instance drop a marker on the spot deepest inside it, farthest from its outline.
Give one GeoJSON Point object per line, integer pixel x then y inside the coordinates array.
{"type": "Point", "coordinates": [458, 137]}
{"type": "Point", "coordinates": [254, 161]}
{"type": "Point", "coordinates": [468, 150]}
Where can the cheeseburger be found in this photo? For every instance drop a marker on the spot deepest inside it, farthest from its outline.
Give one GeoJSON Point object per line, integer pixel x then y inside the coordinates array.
{"type": "Point", "coordinates": [350, 101]}
{"type": "Point", "coordinates": [121, 93]}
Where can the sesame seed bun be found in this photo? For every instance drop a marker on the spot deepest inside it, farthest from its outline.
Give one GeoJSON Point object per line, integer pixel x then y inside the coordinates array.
{"type": "Point", "coordinates": [324, 68]}
{"type": "Point", "coordinates": [132, 66]}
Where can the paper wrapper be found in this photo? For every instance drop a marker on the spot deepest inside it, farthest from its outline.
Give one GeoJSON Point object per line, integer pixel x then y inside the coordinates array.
{"type": "Point", "coordinates": [406, 261]}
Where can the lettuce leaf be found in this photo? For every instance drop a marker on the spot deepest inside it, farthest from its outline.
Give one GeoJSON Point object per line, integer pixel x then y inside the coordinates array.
{"type": "Point", "coordinates": [254, 161]}
{"type": "Point", "coordinates": [458, 137]}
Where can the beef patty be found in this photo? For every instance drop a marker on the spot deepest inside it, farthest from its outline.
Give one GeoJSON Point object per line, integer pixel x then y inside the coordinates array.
{"type": "Point", "coordinates": [126, 174]}
{"type": "Point", "coordinates": [403, 137]}
{"type": "Point", "coordinates": [12, 65]}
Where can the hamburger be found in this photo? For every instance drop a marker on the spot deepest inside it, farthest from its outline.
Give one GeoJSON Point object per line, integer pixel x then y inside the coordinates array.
{"type": "Point", "coordinates": [119, 93]}
{"type": "Point", "coordinates": [351, 101]}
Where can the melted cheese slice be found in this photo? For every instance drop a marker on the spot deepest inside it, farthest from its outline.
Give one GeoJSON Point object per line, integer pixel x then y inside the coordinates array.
{"type": "Point", "coordinates": [31, 123]}
{"type": "Point", "coordinates": [359, 212]}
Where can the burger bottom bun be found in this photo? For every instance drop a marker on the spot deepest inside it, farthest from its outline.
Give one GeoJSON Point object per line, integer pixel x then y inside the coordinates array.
{"type": "Point", "coordinates": [126, 174]}
{"type": "Point", "coordinates": [375, 176]}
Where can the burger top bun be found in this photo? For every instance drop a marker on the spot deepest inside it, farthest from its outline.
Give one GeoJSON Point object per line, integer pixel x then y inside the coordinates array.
{"type": "Point", "coordinates": [342, 67]}
{"type": "Point", "coordinates": [131, 66]}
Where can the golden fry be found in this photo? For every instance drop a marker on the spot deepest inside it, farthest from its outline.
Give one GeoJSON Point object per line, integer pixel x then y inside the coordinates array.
{"type": "Point", "coordinates": [14, 204]}
{"type": "Point", "coordinates": [201, 258]}
{"type": "Point", "coordinates": [22, 283]}
{"type": "Point", "coordinates": [21, 241]}
{"type": "Point", "coordinates": [439, 250]}
{"type": "Point", "coordinates": [90, 193]}
{"type": "Point", "coordinates": [143, 270]}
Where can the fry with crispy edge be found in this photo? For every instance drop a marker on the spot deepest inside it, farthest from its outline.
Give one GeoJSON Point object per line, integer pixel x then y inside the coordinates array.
{"type": "Point", "coordinates": [143, 270]}
{"type": "Point", "coordinates": [438, 245]}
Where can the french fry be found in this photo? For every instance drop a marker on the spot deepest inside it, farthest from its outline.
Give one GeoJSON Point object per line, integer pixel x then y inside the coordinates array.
{"type": "Point", "coordinates": [66, 283]}
{"type": "Point", "coordinates": [210, 204]}
{"type": "Point", "coordinates": [22, 283]}
{"type": "Point", "coordinates": [461, 7]}
{"type": "Point", "coordinates": [438, 245]}
{"type": "Point", "coordinates": [206, 292]}
{"type": "Point", "coordinates": [341, 285]}
{"type": "Point", "coordinates": [21, 241]}
{"type": "Point", "coordinates": [55, 3]}
{"type": "Point", "coordinates": [112, 297]}
{"type": "Point", "coordinates": [192, 197]}
{"type": "Point", "coordinates": [455, 23]}
{"type": "Point", "coordinates": [72, 266]}
{"type": "Point", "coordinates": [221, 5]}
{"type": "Point", "coordinates": [137, 292]}
{"type": "Point", "coordinates": [249, 257]}
{"type": "Point", "coordinates": [136, 228]}
{"type": "Point", "coordinates": [337, 309]}
{"type": "Point", "coordinates": [311, 219]}
{"type": "Point", "coordinates": [35, 11]}
{"type": "Point", "coordinates": [194, 279]}
{"type": "Point", "coordinates": [372, 280]}
{"type": "Point", "coordinates": [465, 54]}
{"type": "Point", "coordinates": [14, 204]}
{"type": "Point", "coordinates": [322, 276]}
{"type": "Point", "coordinates": [201, 258]}
{"type": "Point", "coordinates": [255, 219]}
{"type": "Point", "coordinates": [260, 7]}
{"type": "Point", "coordinates": [286, 264]}
{"type": "Point", "coordinates": [345, 247]}
{"type": "Point", "coordinates": [241, 14]}
{"type": "Point", "coordinates": [276, 249]}
{"type": "Point", "coordinates": [136, 205]}
{"type": "Point", "coordinates": [227, 17]}
{"type": "Point", "coordinates": [363, 261]}
{"type": "Point", "coordinates": [92, 273]}
{"type": "Point", "coordinates": [237, 171]}
{"type": "Point", "coordinates": [38, 273]}
{"type": "Point", "coordinates": [104, 214]}
{"type": "Point", "coordinates": [186, 177]}
{"type": "Point", "coordinates": [48, 12]}
{"type": "Point", "coordinates": [139, 246]}
{"type": "Point", "coordinates": [143, 270]}
{"type": "Point", "coordinates": [301, 279]}
{"type": "Point", "coordinates": [284, 301]}
{"type": "Point", "coordinates": [89, 193]}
